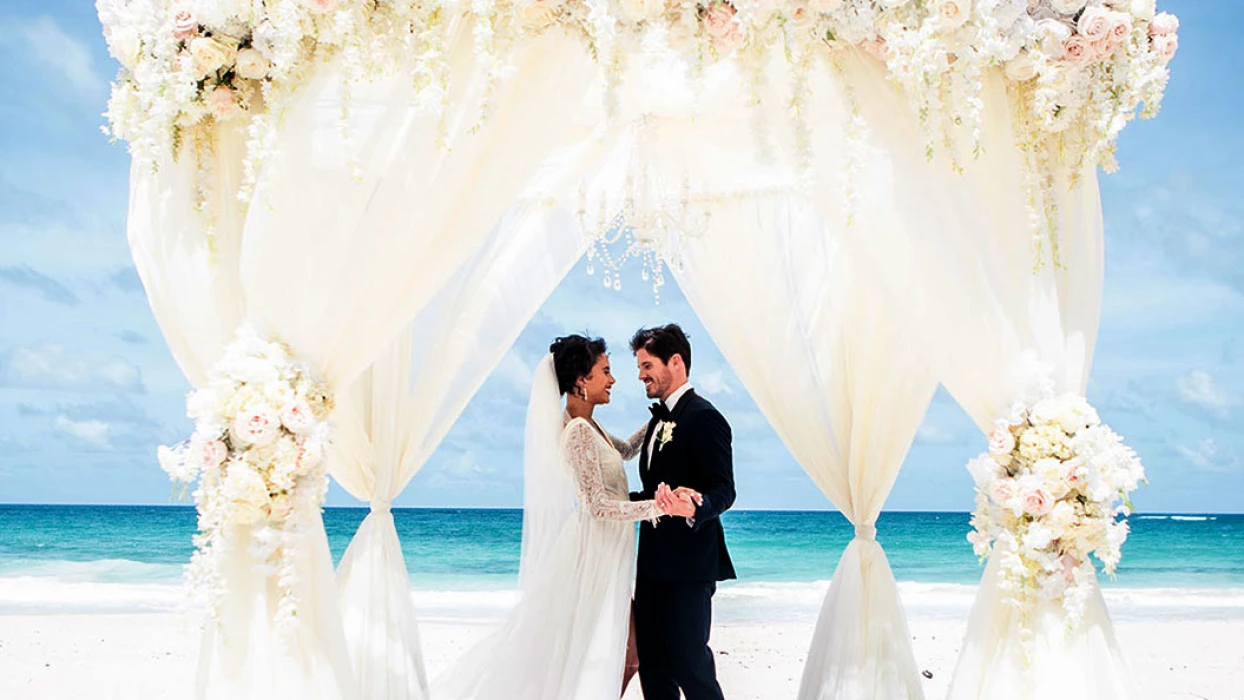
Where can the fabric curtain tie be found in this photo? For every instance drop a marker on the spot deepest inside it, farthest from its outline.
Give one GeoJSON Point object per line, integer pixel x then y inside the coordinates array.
{"type": "Point", "coordinates": [866, 532]}
{"type": "Point", "coordinates": [380, 506]}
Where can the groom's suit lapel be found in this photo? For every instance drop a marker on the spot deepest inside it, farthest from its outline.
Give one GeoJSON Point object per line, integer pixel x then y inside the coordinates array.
{"type": "Point", "coordinates": [645, 459]}
{"type": "Point", "coordinates": [679, 407]}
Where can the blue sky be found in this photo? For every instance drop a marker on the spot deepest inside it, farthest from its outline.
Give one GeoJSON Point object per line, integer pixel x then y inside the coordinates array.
{"type": "Point", "coordinates": [88, 387]}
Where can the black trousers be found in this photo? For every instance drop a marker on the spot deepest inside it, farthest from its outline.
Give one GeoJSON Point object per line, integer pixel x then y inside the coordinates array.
{"type": "Point", "coordinates": [672, 621]}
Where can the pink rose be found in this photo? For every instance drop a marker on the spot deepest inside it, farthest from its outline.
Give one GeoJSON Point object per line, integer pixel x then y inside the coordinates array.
{"type": "Point", "coordinates": [1120, 26]}
{"type": "Point", "coordinates": [1037, 502]}
{"type": "Point", "coordinates": [257, 427]}
{"type": "Point", "coordinates": [718, 18]}
{"type": "Point", "coordinates": [1078, 50]}
{"type": "Point", "coordinates": [1104, 47]}
{"type": "Point", "coordinates": [1002, 491]}
{"type": "Point", "coordinates": [222, 102]}
{"type": "Point", "coordinates": [877, 48]}
{"type": "Point", "coordinates": [1094, 23]}
{"type": "Point", "coordinates": [1165, 46]}
{"type": "Point", "coordinates": [1164, 24]}
{"type": "Point", "coordinates": [730, 41]}
{"type": "Point", "coordinates": [1001, 441]}
{"type": "Point", "coordinates": [1070, 564]}
{"type": "Point", "coordinates": [214, 453]}
{"type": "Point", "coordinates": [185, 24]}
{"type": "Point", "coordinates": [296, 416]}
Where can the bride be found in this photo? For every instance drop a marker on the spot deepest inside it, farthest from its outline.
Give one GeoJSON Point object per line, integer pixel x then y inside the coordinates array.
{"type": "Point", "coordinates": [567, 638]}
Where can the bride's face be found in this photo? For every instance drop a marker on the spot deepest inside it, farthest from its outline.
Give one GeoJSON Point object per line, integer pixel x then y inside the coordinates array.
{"type": "Point", "coordinates": [598, 384]}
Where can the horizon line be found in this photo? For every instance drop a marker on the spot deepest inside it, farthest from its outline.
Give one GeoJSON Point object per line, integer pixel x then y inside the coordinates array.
{"type": "Point", "coordinates": [363, 506]}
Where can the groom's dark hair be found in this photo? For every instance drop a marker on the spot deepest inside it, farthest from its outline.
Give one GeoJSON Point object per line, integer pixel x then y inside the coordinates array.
{"type": "Point", "coordinates": [663, 342]}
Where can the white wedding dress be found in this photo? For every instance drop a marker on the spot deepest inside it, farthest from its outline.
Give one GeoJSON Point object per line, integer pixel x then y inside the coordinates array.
{"type": "Point", "coordinates": [566, 639]}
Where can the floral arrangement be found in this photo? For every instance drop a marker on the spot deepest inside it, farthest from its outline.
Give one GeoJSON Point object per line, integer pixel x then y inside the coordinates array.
{"type": "Point", "coordinates": [1049, 493]}
{"type": "Point", "coordinates": [1077, 70]}
{"type": "Point", "coordinates": [257, 452]}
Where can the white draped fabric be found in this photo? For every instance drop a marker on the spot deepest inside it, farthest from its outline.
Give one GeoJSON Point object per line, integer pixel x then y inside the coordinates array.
{"type": "Point", "coordinates": [955, 254]}
{"type": "Point", "coordinates": [843, 388]}
{"type": "Point", "coordinates": [400, 409]}
{"type": "Point", "coordinates": [352, 229]}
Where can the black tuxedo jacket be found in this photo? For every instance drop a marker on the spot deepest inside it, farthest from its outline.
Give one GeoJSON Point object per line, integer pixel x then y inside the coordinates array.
{"type": "Point", "coordinates": [699, 457]}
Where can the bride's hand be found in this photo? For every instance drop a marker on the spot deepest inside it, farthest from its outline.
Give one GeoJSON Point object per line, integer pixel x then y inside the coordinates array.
{"type": "Point", "coordinates": [673, 503]}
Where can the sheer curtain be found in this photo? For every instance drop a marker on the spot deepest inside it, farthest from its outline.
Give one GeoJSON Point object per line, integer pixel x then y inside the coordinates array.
{"type": "Point", "coordinates": [957, 257]}
{"type": "Point", "coordinates": [349, 234]}
{"type": "Point", "coordinates": [843, 387]}
{"type": "Point", "coordinates": [400, 409]}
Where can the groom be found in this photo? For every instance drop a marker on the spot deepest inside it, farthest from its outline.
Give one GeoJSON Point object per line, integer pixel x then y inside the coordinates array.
{"type": "Point", "coordinates": [686, 466]}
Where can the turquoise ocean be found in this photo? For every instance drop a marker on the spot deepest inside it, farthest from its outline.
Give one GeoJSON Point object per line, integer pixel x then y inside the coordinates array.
{"type": "Point", "coordinates": [463, 563]}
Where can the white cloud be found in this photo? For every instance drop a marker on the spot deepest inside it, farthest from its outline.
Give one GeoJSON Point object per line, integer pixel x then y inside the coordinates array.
{"type": "Point", "coordinates": [936, 435]}
{"type": "Point", "coordinates": [45, 43]}
{"type": "Point", "coordinates": [92, 432]}
{"type": "Point", "coordinates": [1207, 455]}
{"type": "Point", "coordinates": [47, 366]}
{"type": "Point", "coordinates": [713, 383]}
{"type": "Point", "coordinates": [1199, 389]}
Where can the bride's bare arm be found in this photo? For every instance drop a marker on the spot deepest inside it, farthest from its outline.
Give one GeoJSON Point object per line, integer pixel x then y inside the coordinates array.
{"type": "Point", "coordinates": [630, 447]}
{"type": "Point", "coordinates": [584, 459]}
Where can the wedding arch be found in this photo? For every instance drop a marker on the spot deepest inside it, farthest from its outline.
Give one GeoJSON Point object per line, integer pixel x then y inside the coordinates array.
{"type": "Point", "coordinates": [873, 196]}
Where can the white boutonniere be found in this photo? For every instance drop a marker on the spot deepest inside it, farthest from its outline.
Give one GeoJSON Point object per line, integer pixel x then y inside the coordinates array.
{"type": "Point", "coordinates": [667, 434]}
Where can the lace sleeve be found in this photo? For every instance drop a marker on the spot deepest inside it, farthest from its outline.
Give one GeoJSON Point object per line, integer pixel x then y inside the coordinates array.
{"type": "Point", "coordinates": [583, 458]}
{"type": "Point", "coordinates": [630, 447]}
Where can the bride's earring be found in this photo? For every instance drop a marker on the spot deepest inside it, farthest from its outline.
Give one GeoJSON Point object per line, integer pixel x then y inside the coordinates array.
{"type": "Point", "coordinates": [583, 393]}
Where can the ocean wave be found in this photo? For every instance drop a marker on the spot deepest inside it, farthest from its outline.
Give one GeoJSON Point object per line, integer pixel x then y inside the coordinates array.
{"type": "Point", "coordinates": [93, 571]}
{"type": "Point", "coordinates": [736, 603]}
{"type": "Point", "coordinates": [1193, 518]}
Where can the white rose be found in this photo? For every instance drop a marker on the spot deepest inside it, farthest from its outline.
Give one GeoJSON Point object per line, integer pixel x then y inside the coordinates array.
{"type": "Point", "coordinates": [252, 65]}
{"type": "Point", "coordinates": [245, 488]}
{"type": "Point", "coordinates": [1164, 24]}
{"type": "Point", "coordinates": [952, 13]}
{"type": "Point", "coordinates": [1144, 9]}
{"type": "Point", "coordinates": [1044, 412]}
{"type": "Point", "coordinates": [210, 55]}
{"type": "Point", "coordinates": [173, 461]}
{"type": "Point", "coordinates": [125, 45]}
{"type": "Point", "coordinates": [1021, 69]}
{"type": "Point", "coordinates": [642, 10]}
{"type": "Point", "coordinates": [1051, 35]}
{"type": "Point", "coordinates": [256, 427]}
{"type": "Point", "coordinates": [296, 416]}
{"type": "Point", "coordinates": [1061, 517]}
{"type": "Point", "coordinates": [1053, 474]}
{"type": "Point", "coordinates": [1068, 7]}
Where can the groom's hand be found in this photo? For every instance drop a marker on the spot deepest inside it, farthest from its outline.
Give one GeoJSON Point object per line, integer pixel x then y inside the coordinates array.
{"type": "Point", "coordinates": [676, 503]}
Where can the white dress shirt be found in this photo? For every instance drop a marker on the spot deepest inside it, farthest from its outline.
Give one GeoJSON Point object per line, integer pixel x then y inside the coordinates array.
{"type": "Point", "coordinates": [670, 403]}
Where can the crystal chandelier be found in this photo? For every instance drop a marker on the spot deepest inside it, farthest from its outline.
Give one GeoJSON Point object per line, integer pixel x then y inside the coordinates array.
{"type": "Point", "coordinates": [650, 226]}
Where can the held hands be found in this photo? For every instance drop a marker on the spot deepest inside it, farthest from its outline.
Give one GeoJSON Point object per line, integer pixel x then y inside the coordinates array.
{"type": "Point", "coordinates": [679, 502]}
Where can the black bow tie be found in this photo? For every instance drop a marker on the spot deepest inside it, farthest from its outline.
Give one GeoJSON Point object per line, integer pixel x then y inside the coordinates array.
{"type": "Point", "coordinates": [660, 411]}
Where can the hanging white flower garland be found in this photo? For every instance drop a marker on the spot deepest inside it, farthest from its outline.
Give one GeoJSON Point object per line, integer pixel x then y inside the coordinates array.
{"type": "Point", "coordinates": [1079, 68]}
{"type": "Point", "coordinates": [257, 452]}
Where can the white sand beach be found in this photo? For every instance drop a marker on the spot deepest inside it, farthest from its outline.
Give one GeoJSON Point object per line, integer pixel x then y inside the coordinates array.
{"type": "Point", "coordinates": [129, 656]}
